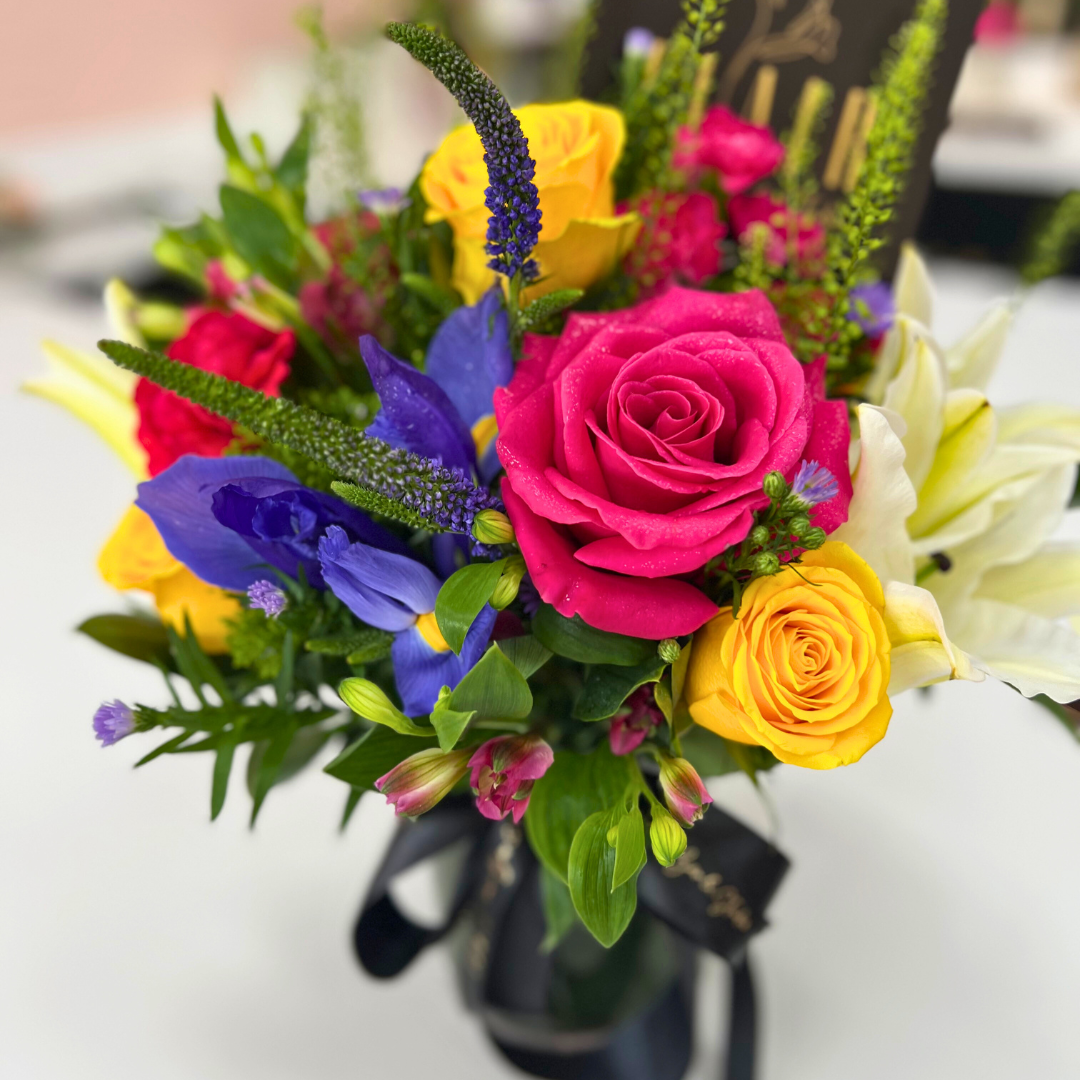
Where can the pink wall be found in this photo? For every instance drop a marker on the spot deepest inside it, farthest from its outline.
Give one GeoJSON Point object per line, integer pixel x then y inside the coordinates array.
{"type": "Point", "coordinates": [63, 62]}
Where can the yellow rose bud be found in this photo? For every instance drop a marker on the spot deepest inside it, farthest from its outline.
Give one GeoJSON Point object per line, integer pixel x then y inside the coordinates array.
{"type": "Point", "coordinates": [804, 669]}
{"type": "Point", "coordinates": [576, 146]}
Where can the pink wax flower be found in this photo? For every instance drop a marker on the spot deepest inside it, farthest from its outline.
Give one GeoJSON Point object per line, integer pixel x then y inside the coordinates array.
{"type": "Point", "coordinates": [746, 211]}
{"type": "Point", "coordinates": [680, 240]}
{"type": "Point", "coordinates": [684, 793]}
{"type": "Point", "coordinates": [637, 718]}
{"type": "Point", "coordinates": [420, 781]}
{"type": "Point", "coordinates": [742, 153]}
{"type": "Point", "coordinates": [636, 443]}
{"type": "Point", "coordinates": [503, 772]}
{"type": "Point", "coordinates": [999, 24]}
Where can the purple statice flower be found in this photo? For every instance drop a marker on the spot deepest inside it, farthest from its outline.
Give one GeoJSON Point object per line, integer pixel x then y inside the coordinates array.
{"type": "Point", "coordinates": [113, 721]}
{"type": "Point", "coordinates": [638, 42]}
{"type": "Point", "coordinates": [814, 484]}
{"type": "Point", "coordinates": [872, 308]}
{"type": "Point", "coordinates": [511, 197]}
{"type": "Point", "coordinates": [266, 596]}
{"type": "Point", "coordinates": [390, 200]}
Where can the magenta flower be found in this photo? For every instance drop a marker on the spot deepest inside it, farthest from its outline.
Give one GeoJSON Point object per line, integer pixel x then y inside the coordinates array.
{"type": "Point", "coordinates": [638, 716]}
{"type": "Point", "coordinates": [113, 721]}
{"type": "Point", "coordinates": [684, 792]}
{"type": "Point", "coordinates": [503, 772]}
{"type": "Point", "coordinates": [420, 781]}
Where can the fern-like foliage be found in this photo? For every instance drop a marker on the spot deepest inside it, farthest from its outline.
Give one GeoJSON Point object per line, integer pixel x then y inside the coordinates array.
{"type": "Point", "coordinates": [444, 497]}
{"type": "Point", "coordinates": [658, 107]}
{"type": "Point", "coordinates": [900, 98]}
{"type": "Point", "coordinates": [1055, 242]}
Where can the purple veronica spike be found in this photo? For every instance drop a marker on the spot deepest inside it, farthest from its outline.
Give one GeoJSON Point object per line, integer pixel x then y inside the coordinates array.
{"type": "Point", "coordinates": [814, 484]}
{"type": "Point", "coordinates": [873, 308]}
{"type": "Point", "coordinates": [511, 196]}
{"type": "Point", "coordinates": [113, 721]}
{"type": "Point", "coordinates": [266, 596]}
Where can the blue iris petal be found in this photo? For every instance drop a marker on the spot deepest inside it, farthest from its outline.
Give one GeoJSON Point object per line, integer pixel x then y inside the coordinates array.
{"type": "Point", "coordinates": [383, 589]}
{"type": "Point", "coordinates": [421, 672]}
{"type": "Point", "coordinates": [415, 413]}
{"type": "Point", "coordinates": [180, 502]}
{"type": "Point", "coordinates": [469, 356]}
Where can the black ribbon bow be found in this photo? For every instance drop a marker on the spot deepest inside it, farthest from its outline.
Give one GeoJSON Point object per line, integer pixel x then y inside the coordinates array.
{"type": "Point", "coordinates": [714, 898]}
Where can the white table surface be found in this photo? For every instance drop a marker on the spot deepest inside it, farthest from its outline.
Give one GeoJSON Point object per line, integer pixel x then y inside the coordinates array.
{"type": "Point", "coordinates": [929, 926]}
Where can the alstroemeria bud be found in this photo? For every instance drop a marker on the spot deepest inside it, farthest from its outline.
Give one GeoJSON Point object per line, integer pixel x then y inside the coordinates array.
{"type": "Point", "coordinates": [113, 721]}
{"type": "Point", "coordinates": [667, 837]}
{"type": "Point", "coordinates": [421, 780]}
{"type": "Point", "coordinates": [492, 527]}
{"type": "Point", "coordinates": [683, 790]}
{"type": "Point", "coordinates": [503, 772]}
{"type": "Point", "coordinates": [506, 589]}
{"type": "Point", "coordinates": [634, 721]}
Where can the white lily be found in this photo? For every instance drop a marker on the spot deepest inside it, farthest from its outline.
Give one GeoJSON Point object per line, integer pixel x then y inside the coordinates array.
{"type": "Point", "coordinates": [991, 488]}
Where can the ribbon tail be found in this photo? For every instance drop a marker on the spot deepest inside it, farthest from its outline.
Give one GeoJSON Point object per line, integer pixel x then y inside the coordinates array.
{"type": "Point", "coordinates": [742, 1033]}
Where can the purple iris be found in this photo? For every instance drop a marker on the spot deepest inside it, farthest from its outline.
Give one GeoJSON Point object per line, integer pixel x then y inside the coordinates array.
{"type": "Point", "coordinates": [447, 413]}
{"type": "Point", "coordinates": [113, 721]}
{"type": "Point", "coordinates": [872, 308]}
{"type": "Point", "coordinates": [396, 593]}
{"type": "Point", "coordinates": [227, 519]}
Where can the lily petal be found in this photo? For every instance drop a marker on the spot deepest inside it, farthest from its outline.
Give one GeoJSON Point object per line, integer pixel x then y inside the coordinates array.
{"type": "Point", "coordinates": [912, 287]}
{"type": "Point", "coordinates": [973, 360]}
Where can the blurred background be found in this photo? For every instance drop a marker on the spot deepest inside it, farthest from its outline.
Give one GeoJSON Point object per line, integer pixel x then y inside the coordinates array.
{"type": "Point", "coordinates": [929, 925]}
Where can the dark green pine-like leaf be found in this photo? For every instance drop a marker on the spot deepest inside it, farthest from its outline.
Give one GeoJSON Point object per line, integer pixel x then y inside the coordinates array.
{"type": "Point", "coordinates": [222, 769]}
{"type": "Point", "coordinates": [361, 647]}
{"type": "Point", "coordinates": [267, 774]}
{"type": "Point", "coordinates": [351, 803]}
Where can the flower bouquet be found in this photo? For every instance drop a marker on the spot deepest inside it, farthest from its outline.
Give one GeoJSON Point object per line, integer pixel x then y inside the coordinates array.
{"type": "Point", "coordinates": [596, 463]}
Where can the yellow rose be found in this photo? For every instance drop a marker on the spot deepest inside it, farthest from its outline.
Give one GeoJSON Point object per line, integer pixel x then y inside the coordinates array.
{"type": "Point", "coordinates": [804, 669]}
{"type": "Point", "coordinates": [576, 146]}
{"type": "Point", "coordinates": [135, 557]}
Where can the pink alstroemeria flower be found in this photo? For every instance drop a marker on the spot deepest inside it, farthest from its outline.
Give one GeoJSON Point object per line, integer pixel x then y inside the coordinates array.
{"type": "Point", "coordinates": [684, 792]}
{"type": "Point", "coordinates": [420, 781]}
{"type": "Point", "coordinates": [637, 718]}
{"type": "Point", "coordinates": [503, 772]}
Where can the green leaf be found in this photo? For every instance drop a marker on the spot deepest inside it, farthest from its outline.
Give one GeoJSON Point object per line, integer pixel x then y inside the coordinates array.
{"type": "Point", "coordinates": [448, 723]}
{"type": "Point", "coordinates": [131, 635]}
{"type": "Point", "coordinates": [222, 768]}
{"type": "Point", "coordinates": [284, 684]}
{"type": "Point", "coordinates": [559, 914]}
{"type": "Point", "coordinates": [370, 757]}
{"type": "Point", "coordinates": [168, 747]}
{"type": "Point", "coordinates": [463, 597]}
{"type": "Point", "coordinates": [576, 640]}
{"type": "Point", "coordinates": [538, 316]}
{"type": "Point", "coordinates": [1069, 718]}
{"type": "Point", "coordinates": [306, 743]}
{"type": "Point", "coordinates": [605, 911]}
{"type": "Point", "coordinates": [292, 169]}
{"type": "Point", "coordinates": [708, 753]}
{"type": "Point", "coordinates": [442, 300]}
{"type": "Point", "coordinates": [494, 689]}
{"type": "Point", "coordinates": [361, 647]}
{"type": "Point", "coordinates": [195, 665]}
{"type": "Point", "coordinates": [526, 654]}
{"type": "Point", "coordinates": [629, 847]}
{"type": "Point", "coordinates": [267, 774]}
{"type": "Point", "coordinates": [224, 132]}
{"type": "Point", "coordinates": [351, 803]}
{"type": "Point", "coordinates": [260, 235]}
{"type": "Point", "coordinates": [370, 701]}
{"type": "Point", "coordinates": [575, 786]}
{"type": "Point", "coordinates": [607, 687]}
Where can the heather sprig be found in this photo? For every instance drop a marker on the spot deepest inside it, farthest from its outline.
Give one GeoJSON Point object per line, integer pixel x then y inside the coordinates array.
{"type": "Point", "coordinates": [658, 107]}
{"type": "Point", "coordinates": [899, 99]}
{"type": "Point", "coordinates": [1055, 242]}
{"type": "Point", "coordinates": [445, 498]}
{"type": "Point", "coordinates": [511, 196]}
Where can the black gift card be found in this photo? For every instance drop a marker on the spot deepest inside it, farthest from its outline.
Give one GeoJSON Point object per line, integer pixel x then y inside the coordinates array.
{"type": "Point", "coordinates": [769, 48]}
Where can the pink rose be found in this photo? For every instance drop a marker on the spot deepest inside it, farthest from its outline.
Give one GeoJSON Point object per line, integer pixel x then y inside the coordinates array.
{"type": "Point", "coordinates": [741, 152]}
{"type": "Point", "coordinates": [636, 443]}
{"type": "Point", "coordinates": [747, 210]}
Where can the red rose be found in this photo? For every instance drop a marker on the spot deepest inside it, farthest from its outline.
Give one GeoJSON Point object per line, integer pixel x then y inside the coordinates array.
{"type": "Point", "coordinates": [808, 236]}
{"type": "Point", "coordinates": [635, 446]}
{"type": "Point", "coordinates": [226, 344]}
{"type": "Point", "coordinates": [741, 152]}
